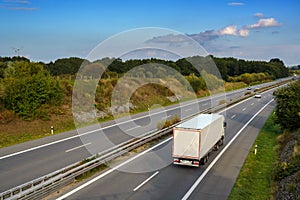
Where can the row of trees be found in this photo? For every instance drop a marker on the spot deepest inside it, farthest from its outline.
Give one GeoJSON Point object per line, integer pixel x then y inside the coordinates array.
{"type": "Point", "coordinates": [227, 67]}
{"type": "Point", "coordinates": [29, 85]}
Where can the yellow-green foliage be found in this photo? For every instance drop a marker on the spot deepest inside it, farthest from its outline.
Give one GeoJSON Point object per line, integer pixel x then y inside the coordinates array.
{"type": "Point", "coordinates": [167, 123]}
{"type": "Point", "coordinates": [250, 78]}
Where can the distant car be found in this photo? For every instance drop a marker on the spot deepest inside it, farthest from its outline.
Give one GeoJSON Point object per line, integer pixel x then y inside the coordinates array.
{"type": "Point", "coordinates": [249, 88]}
{"type": "Point", "coordinates": [257, 95]}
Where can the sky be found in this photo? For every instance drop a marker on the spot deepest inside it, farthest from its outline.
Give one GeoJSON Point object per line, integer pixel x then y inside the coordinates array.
{"type": "Point", "coordinates": [46, 30]}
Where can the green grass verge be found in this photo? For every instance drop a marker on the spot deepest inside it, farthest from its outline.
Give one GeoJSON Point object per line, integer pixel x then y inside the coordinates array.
{"type": "Point", "coordinates": [255, 180]}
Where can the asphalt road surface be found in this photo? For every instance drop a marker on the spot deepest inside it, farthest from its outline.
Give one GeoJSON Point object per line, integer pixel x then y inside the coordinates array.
{"type": "Point", "coordinates": [28, 161]}
{"type": "Point", "coordinates": [151, 174]}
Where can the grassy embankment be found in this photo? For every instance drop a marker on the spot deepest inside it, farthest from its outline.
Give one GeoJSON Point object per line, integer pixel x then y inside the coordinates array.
{"type": "Point", "coordinates": [255, 180]}
{"type": "Point", "coordinates": [274, 173]}
{"type": "Point", "coordinates": [14, 130]}
{"type": "Point", "coordinates": [260, 176]}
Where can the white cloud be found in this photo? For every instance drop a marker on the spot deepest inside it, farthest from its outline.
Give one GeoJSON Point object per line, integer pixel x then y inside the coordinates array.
{"type": "Point", "coordinates": [233, 30]}
{"type": "Point", "coordinates": [17, 5]}
{"type": "Point", "coordinates": [259, 15]}
{"type": "Point", "coordinates": [235, 4]}
{"type": "Point", "coordinates": [229, 30]}
{"type": "Point", "coordinates": [267, 22]}
{"type": "Point", "coordinates": [244, 32]}
{"type": "Point", "coordinates": [17, 1]}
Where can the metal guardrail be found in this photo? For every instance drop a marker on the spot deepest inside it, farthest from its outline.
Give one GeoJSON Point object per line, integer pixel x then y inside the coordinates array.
{"type": "Point", "coordinates": [43, 186]}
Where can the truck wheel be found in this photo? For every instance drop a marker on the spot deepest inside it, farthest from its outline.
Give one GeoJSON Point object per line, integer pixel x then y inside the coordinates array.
{"type": "Point", "coordinates": [216, 147]}
{"type": "Point", "coordinates": [221, 141]}
{"type": "Point", "coordinates": [204, 160]}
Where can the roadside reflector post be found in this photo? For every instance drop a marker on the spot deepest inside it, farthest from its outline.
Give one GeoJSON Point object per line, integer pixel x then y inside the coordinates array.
{"type": "Point", "coordinates": [255, 150]}
{"type": "Point", "coordinates": [52, 130]}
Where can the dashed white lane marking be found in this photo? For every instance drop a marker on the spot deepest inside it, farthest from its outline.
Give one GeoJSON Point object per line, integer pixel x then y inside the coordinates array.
{"type": "Point", "coordinates": [143, 183]}
{"type": "Point", "coordinates": [167, 117]}
{"type": "Point", "coordinates": [130, 129]}
{"type": "Point", "coordinates": [78, 147]}
{"type": "Point", "coordinates": [111, 170]}
{"type": "Point", "coordinates": [233, 116]}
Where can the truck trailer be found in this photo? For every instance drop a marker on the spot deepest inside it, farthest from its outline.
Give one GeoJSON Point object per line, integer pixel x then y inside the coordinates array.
{"type": "Point", "coordinates": [194, 139]}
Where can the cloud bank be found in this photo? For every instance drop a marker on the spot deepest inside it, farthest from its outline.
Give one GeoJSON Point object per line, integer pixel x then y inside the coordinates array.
{"type": "Point", "coordinates": [209, 35]}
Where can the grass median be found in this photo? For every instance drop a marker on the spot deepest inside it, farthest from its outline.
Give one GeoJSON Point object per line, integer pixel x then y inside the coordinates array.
{"type": "Point", "coordinates": [255, 180]}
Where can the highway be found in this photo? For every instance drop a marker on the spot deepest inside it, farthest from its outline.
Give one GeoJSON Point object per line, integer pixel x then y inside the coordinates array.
{"type": "Point", "coordinates": [134, 179]}
{"type": "Point", "coordinates": [25, 162]}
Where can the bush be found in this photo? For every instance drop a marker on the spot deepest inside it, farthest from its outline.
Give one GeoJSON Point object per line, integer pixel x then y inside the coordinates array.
{"type": "Point", "coordinates": [288, 106]}
{"type": "Point", "coordinates": [167, 123]}
{"type": "Point", "coordinates": [28, 86]}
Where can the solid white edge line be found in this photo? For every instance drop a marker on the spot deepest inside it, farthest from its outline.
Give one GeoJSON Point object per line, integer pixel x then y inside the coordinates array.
{"type": "Point", "coordinates": [145, 181]}
{"type": "Point", "coordinates": [78, 147]}
{"type": "Point", "coordinates": [110, 171]}
{"type": "Point", "coordinates": [190, 191]}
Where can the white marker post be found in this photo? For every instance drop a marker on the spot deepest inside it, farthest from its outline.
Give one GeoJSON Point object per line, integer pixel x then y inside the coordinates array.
{"type": "Point", "coordinates": [255, 150]}
{"type": "Point", "coordinates": [52, 130]}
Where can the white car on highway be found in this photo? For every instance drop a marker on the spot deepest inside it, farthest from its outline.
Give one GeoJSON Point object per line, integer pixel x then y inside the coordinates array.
{"type": "Point", "coordinates": [257, 95]}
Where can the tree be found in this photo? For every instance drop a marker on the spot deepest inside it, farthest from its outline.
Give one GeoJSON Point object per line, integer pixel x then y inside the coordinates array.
{"type": "Point", "coordinates": [68, 66]}
{"type": "Point", "coordinates": [197, 83]}
{"type": "Point", "coordinates": [288, 106]}
{"type": "Point", "coordinates": [27, 87]}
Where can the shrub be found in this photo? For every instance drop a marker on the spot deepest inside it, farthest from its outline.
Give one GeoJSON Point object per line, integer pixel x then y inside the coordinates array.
{"type": "Point", "coordinates": [28, 86]}
{"type": "Point", "coordinates": [288, 106]}
{"type": "Point", "coordinates": [167, 123]}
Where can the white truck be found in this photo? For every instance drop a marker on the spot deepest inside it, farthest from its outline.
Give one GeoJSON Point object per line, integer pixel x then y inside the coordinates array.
{"type": "Point", "coordinates": [194, 139]}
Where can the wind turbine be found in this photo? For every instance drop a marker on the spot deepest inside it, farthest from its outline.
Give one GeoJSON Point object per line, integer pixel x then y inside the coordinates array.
{"type": "Point", "coordinates": [17, 51]}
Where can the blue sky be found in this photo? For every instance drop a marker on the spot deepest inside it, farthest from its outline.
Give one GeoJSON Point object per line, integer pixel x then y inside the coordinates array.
{"type": "Point", "coordinates": [45, 30]}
